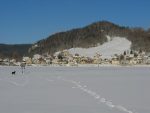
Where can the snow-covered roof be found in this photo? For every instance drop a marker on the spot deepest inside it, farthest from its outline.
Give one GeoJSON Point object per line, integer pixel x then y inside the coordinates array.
{"type": "Point", "coordinates": [37, 56]}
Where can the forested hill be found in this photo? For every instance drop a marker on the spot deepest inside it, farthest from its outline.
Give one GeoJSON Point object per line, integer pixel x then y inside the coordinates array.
{"type": "Point", "coordinates": [90, 36]}
{"type": "Point", "coordinates": [14, 51]}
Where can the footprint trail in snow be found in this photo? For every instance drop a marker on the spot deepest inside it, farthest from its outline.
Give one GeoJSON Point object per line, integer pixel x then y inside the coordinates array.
{"type": "Point", "coordinates": [96, 96]}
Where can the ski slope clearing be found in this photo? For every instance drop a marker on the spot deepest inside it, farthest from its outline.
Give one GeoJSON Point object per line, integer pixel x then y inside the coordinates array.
{"type": "Point", "coordinates": [75, 90]}
{"type": "Point", "coordinates": [115, 45]}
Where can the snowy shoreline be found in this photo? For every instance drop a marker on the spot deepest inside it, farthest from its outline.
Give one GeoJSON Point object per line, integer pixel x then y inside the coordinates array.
{"type": "Point", "coordinates": [83, 65]}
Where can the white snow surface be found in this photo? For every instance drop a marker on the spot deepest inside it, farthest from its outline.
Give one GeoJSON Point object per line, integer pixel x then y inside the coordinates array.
{"type": "Point", "coordinates": [114, 45]}
{"type": "Point", "coordinates": [75, 90]}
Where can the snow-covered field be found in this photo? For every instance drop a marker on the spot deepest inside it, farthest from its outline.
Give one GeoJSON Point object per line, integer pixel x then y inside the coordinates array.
{"type": "Point", "coordinates": [75, 90]}
{"type": "Point", "coordinates": [115, 45]}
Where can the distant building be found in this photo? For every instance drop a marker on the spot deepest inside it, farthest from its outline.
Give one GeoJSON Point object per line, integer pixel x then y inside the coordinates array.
{"type": "Point", "coordinates": [115, 60]}
{"type": "Point", "coordinates": [28, 60]}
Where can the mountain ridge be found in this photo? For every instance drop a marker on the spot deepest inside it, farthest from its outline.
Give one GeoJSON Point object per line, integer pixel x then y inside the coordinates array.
{"type": "Point", "coordinates": [90, 36]}
{"type": "Point", "coordinates": [84, 37]}
{"type": "Point", "coordinates": [14, 51]}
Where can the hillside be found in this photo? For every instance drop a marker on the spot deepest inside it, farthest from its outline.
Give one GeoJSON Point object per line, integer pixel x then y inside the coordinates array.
{"type": "Point", "coordinates": [91, 36]}
{"type": "Point", "coordinates": [14, 51]}
{"type": "Point", "coordinates": [114, 45]}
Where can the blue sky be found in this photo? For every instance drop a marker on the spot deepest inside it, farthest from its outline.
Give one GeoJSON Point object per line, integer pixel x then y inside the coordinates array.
{"type": "Point", "coordinates": [27, 21]}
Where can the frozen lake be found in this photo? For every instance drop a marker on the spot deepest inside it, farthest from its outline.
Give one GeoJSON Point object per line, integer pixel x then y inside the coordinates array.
{"type": "Point", "coordinates": [75, 90]}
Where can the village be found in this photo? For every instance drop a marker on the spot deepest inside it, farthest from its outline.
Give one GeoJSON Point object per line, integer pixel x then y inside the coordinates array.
{"type": "Point", "coordinates": [64, 58]}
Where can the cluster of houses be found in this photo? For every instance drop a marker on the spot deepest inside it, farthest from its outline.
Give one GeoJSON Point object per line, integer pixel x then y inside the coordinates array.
{"type": "Point", "coordinates": [65, 58]}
